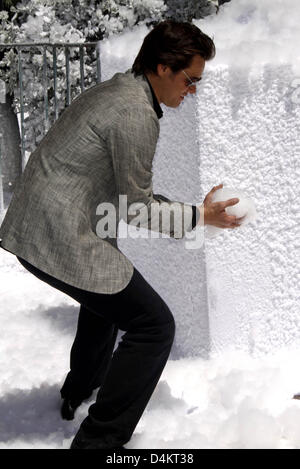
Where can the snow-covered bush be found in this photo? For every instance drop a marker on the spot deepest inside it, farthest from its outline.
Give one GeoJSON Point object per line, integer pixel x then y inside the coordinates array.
{"type": "Point", "coordinates": [71, 21]}
{"type": "Point", "coordinates": [34, 22]}
{"type": "Point", "coordinates": [186, 10]}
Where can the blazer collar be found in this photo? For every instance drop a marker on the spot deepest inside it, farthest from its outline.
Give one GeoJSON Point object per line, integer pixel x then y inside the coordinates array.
{"type": "Point", "coordinates": [156, 105]}
{"type": "Point", "coordinates": [150, 93]}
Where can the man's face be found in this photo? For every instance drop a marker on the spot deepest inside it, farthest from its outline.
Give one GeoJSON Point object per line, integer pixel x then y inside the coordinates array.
{"type": "Point", "coordinates": [173, 87]}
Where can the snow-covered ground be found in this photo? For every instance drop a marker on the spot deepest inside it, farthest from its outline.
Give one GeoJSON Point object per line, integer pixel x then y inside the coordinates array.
{"type": "Point", "coordinates": [228, 401]}
{"type": "Point", "coordinates": [233, 399]}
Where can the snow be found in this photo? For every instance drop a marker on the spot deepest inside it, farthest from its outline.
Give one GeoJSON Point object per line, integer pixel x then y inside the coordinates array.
{"type": "Point", "coordinates": [231, 400]}
{"type": "Point", "coordinates": [248, 113]}
{"type": "Point", "coordinates": [255, 32]}
{"type": "Point", "coordinates": [236, 302]}
{"type": "Point", "coordinates": [244, 208]}
{"type": "Point", "coordinates": [241, 129]}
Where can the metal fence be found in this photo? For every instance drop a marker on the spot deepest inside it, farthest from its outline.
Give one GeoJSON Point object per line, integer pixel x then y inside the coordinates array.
{"type": "Point", "coordinates": [1, 186]}
{"type": "Point", "coordinates": [53, 48]}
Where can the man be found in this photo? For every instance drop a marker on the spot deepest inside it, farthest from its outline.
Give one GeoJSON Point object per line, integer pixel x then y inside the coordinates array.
{"type": "Point", "coordinates": [102, 148]}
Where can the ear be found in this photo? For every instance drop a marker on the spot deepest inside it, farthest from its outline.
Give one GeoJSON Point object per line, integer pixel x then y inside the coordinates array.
{"type": "Point", "coordinates": [161, 69]}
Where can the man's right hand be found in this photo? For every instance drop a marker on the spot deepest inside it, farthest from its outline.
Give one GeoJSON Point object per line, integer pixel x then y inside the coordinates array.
{"type": "Point", "coordinates": [215, 213]}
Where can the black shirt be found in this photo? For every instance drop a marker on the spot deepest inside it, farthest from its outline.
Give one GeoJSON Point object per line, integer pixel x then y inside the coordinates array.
{"type": "Point", "coordinates": [159, 114]}
{"type": "Point", "coordinates": [156, 105]}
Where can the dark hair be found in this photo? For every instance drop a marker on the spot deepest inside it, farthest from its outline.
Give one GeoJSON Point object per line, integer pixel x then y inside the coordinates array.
{"type": "Point", "coordinates": [174, 44]}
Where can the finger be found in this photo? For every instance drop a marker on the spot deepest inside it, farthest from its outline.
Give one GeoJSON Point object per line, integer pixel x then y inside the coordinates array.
{"type": "Point", "coordinates": [231, 219]}
{"type": "Point", "coordinates": [233, 225]}
{"type": "Point", "coordinates": [230, 222]}
{"type": "Point", "coordinates": [234, 220]}
{"type": "Point", "coordinates": [224, 227]}
{"type": "Point", "coordinates": [209, 195]}
{"type": "Point", "coordinates": [215, 188]}
{"type": "Point", "coordinates": [236, 225]}
{"type": "Point", "coordinates": [230, 202]}
{"type": "Point", "coordinates": [238, 221]}
{"type": "Point", "coordinates": [225, 218]}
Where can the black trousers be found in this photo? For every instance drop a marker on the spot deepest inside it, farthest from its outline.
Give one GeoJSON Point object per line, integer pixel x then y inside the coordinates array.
{"type": "Point", "coordinates": [128, 376]}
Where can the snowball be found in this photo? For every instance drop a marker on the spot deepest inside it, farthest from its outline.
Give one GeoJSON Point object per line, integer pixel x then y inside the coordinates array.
{"type": "Point", "coordinates": [244, 208]}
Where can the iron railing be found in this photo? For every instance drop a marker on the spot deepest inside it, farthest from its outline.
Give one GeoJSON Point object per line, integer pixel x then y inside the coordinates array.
{"type": "Point", "coordinates": [53, 47]}
{"type": "Point", "coordinates": [1, 183]}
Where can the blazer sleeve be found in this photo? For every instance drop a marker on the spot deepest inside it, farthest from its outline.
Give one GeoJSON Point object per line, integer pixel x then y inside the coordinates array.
{"type": "Point", "coordinates": [131, 141]}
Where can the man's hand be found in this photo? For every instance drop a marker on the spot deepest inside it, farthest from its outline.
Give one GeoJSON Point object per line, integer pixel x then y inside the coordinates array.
{"type": "Point", "coordinates": [215, 213]}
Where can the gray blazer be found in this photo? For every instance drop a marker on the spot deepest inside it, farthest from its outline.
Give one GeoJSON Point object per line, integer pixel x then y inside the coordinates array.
{"type": "Point", "coordinates": [102, 146]}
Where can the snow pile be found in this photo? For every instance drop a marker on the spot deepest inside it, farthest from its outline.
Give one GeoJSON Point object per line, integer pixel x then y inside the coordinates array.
{"type": "Point", "coordinates": [252, 32]}
{"type": "Point", "coordinates": [248, 116]}
{"type": "Point", "coordinates": [118, 52]}
{"type": "Point", "coordinates": [246, 33]}
{"type": "Point", "coordinates": [229, 401]}
{"type": "Point", "coordinates": [242, 129]}
{"type": "Point", "coordinates": [247, 128]}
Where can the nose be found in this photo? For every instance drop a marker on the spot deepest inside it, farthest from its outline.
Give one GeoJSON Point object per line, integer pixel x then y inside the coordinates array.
{"type": "Point", "coordinates": [192, 89]}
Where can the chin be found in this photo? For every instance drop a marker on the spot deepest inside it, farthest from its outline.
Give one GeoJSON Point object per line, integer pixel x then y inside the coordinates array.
{"type": "Point", "coordinates": [173, 103]}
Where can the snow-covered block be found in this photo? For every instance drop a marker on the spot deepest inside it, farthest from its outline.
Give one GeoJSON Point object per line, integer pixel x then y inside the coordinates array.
{"type": "Point", "coordinates": [241, 129]}
{"type": "Point", "coordinates": [248, 114]}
